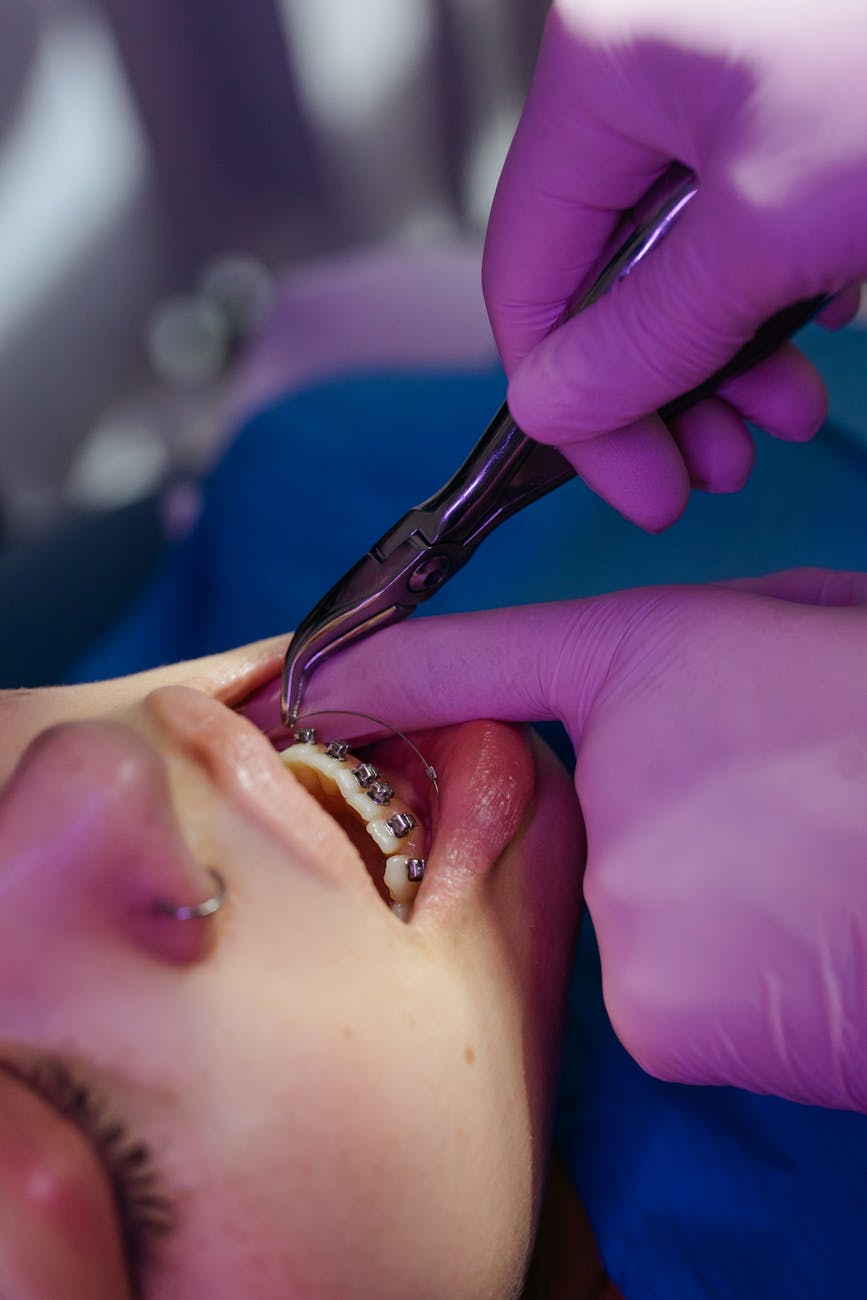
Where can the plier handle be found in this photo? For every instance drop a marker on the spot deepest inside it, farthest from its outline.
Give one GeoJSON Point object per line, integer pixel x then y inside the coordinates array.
{"type": "Point", "coordinates": [504, 472]}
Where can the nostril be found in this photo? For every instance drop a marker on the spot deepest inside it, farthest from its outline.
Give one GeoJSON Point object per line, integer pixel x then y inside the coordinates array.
{"type": "Point", "coordinates": [90, 844]}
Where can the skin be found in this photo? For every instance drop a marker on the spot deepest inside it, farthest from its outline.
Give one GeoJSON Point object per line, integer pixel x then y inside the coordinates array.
{"type": "Point", "coordinates": [339, 1105]}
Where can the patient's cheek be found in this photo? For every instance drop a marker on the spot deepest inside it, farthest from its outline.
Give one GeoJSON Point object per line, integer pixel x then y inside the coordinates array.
{"type": "Point", "coordinates": [58, 1228]}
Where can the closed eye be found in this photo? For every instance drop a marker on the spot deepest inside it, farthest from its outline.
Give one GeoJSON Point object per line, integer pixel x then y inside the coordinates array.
{"type": "Point", "coordinates": [146, 1216]}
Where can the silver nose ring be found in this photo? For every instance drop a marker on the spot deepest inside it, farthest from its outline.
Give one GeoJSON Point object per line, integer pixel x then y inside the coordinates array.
{"type": "Point", "coordinates": [196, 911]}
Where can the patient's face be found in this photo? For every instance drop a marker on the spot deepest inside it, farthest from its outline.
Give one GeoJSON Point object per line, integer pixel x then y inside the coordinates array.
{"type": "Point", "coordinates": [337, 1103]}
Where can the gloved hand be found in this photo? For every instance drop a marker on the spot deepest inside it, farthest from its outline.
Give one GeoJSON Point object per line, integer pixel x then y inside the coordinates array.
{"type": "Point", "coordinates": [721, 734]}
{"type": "Point", "coordinates": [766, 106]}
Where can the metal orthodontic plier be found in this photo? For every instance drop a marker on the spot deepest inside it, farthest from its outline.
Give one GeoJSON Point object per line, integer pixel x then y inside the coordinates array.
{"type": "Point", "coordinates": [504, 472]}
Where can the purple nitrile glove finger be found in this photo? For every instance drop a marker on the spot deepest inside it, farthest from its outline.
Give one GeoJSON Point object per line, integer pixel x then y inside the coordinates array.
{"type": "Point", "coordinates": [768, 115]}
{"type": "Point", "coordinates": [721, 734]}
{"type": "Point", "coordinates": [716, 446]}
{"type": "Point", "coordinates": [841, 309]}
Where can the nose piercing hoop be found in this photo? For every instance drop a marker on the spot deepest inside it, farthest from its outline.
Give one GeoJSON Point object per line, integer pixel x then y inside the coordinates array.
{"type": "Point", "coordinates": [197, 911]}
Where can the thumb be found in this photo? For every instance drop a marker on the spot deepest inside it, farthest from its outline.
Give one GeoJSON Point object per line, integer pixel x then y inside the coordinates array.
{"type": "Point", "coordinates": [527, 664]}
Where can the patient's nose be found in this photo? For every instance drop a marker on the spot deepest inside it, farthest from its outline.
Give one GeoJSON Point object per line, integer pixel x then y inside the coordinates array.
{"type": "Point", "coordinates": [89, 849]}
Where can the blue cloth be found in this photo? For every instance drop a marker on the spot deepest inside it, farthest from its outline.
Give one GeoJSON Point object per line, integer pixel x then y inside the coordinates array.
{"type": "Point", "coordinates": [693, 1193]}
{"type": "Point", "coordinates": [706, 1193]}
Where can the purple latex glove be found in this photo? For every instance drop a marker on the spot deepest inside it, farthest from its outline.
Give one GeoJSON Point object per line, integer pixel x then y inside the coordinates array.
{"type": "Point", "coordinates": [767, 109]}
{"type": "Point", "coordinates": [721, 734]}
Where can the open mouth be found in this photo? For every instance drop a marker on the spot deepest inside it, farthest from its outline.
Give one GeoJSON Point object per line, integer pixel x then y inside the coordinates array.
{"type": "Point", "coordinates": [487, 778]}
{"type": "Point", "coordinates": [386, 813]}
{"type": "Point", "coordinates": [486, 781]}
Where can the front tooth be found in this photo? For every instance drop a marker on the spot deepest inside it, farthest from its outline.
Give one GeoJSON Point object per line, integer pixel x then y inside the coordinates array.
{"type": "Point", "coordinates": [309, 777]}
{"type": "Point", "coordinates": [365, 774]}
{"type": "Point", "coordinates": [352, 792]}
{"type": "Point", "coordinates": [389, 822]}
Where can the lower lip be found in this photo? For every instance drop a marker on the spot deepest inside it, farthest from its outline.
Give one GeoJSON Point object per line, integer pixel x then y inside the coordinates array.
{"type": "Point", "coordinates": [487, 778]}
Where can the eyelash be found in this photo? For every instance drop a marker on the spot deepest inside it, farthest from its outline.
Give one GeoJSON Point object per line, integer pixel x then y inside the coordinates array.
{"type": "Point", "coordinates": [145, 1214]}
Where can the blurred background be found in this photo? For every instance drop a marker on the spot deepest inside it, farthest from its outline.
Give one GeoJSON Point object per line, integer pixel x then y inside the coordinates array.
{"type": "Point", "coordinates": [161, 162]}
{"type": "Point", "coordinates": [206, 203]}
{"type": "Point", "coordinates": [163, 165]}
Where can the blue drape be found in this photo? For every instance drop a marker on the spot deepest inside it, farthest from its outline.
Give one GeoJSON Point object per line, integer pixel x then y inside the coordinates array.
{"type": "Point", "coordinates": [693, 1192]}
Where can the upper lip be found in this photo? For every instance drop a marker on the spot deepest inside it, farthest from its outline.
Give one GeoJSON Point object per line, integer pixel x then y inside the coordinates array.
{"type": "Point", "coordinates": [263, 708]}
{"type": "Point", "coordinates": [255, 687]}
{"type": "Point", "coordinates": [486, 779]}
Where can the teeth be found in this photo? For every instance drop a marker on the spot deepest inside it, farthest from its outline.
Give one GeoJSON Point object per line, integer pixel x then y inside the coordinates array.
{"type": "Point", "coordinates": [331, 770]}
{"type": "Point", "coordinates": [397, 879]}
{"type": "Point", "coordinates": [365, 774]}
{"type": "Point", "coordinates": [408, 842]}
{"type": "Point", "coordinates": [400, 825]}
{"type": "Point", "coordinates": [415, 868]}
{"type": "Point", "coordinates": [381, 793]}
